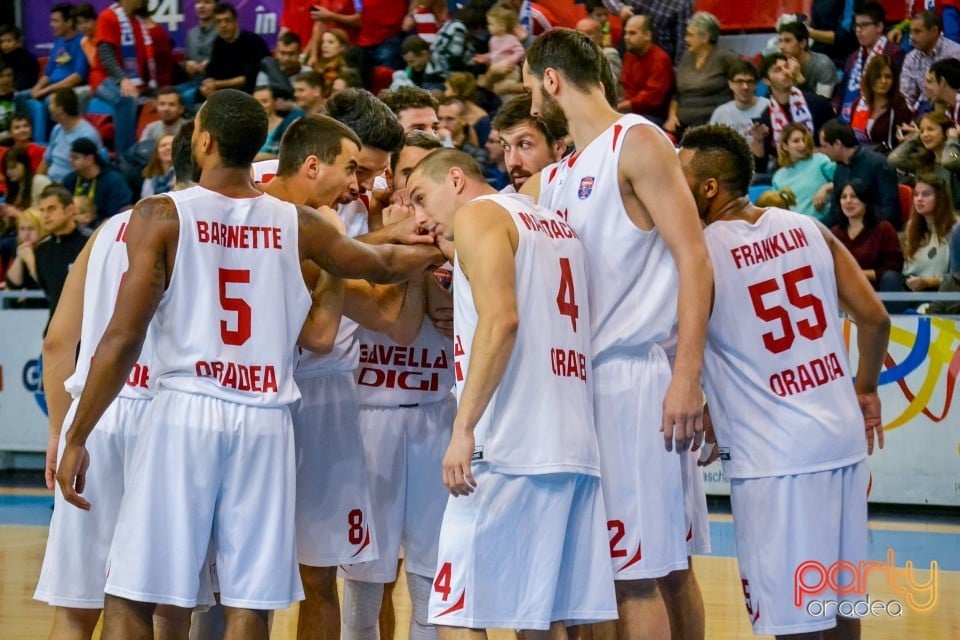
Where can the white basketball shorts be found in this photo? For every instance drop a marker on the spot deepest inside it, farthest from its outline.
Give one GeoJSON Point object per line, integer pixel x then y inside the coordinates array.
{"type": "Point", "coordinates": [806, 522]}
{"type": "Point", "coordinates": [404, 448]}
{"type": "Point", "coordinates": [333, 494]}
{"type": "Point", "coordinates": [695, 512]}
{"type": "Point", "coordinates": [522, 552]}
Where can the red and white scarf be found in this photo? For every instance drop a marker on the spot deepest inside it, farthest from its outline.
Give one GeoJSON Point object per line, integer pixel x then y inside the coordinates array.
{"type": "Point", "coordinates": [128, 47]}
{"type": "Point", "coordinates": [799, 112]}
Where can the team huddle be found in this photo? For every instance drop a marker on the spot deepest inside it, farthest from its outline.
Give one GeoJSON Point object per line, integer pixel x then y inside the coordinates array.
{"type": "Point", "coordinates": [271, 404]}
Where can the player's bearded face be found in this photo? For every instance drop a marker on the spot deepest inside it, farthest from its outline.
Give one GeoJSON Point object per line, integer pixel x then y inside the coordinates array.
{"type": "Point", "coordinates": [549, 108]}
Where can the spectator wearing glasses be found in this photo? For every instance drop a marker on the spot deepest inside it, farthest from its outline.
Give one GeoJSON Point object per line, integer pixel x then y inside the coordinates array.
{"type": "Point", "coordinates": [747, 107]}
{"type": "Point", "coordinates": [869, 30]}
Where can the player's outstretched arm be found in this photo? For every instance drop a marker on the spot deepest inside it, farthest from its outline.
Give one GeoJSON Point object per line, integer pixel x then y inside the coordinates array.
{"type": "Point", "coordinates": [393, 310]}
{"type": "Point", "coordinates": [486, 245]}
{"type": "Point", "coordinates": [659, 185]}
{"type": "Point", "coordinates": [151, 248]}
{"type": "Point", "coordinates": [60, 352]}
{"type": "Point", "coordinates": [858, 298]}
{"type": "Point", "coordinates": [319, 331]}
{"type": "Point", "coordinates": [344, 257]}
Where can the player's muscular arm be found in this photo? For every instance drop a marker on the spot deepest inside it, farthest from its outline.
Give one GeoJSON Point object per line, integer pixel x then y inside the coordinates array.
{"type": "Point", "coordinates": [319, 331]}
{"type": "Point", "coordinates": [60, 352]}
{"type": "Point", "coordinates": [151, 247]}
{"type": "Point", "coordinates": [344, 257]}
{"type": "Point", "coordinates": [405, 231]}
{"type": "Point", "coordinates": [440, 307]}
{"type": "Point", "coordinates": [858, 298]}
{"type": "Point", "coordinates": [393, 310]}
{"type": "Point", "coordinates": [657, 182]}
{"type": "Point", "coordinates": [532, 186]}
{"type": "Point", "coordinates": [486, 252]}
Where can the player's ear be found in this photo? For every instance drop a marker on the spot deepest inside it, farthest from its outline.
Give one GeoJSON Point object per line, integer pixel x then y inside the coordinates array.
{"type": "Point", "coordinates": [456, 179]}
{"type": "Point", "coordinates": [310, 167]}
{"type": "Point", "coordinates": [709, 188]}
{"type": "Point", "coordinates": [551, 80]}
{"type": "Point", "coordinates": [559, 148]}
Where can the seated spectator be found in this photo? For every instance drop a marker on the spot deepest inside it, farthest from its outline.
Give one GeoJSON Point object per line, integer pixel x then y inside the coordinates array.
{"type": "Point", "coordinates": [874, 243]}
{"type": "Point", "coordinates": [158, 176]}
{"type": "Point", "coordinates": [593, 29]}
{"type": "Point", "coordinates": [453, 49]}
{"type": "Point", "coordinates": [496, 173]}
{"type": "Point", "coordinates": [348, 79]}
{"type": "Point", "coordinates": [881, 108]}
{"type": "Point", "coordinates": [21, 274]}
{"type": "Point", "coordinates": [425, 18]}
{"type": "Point", "coordinates": [7, 100]}
{"type": "Point", "coordinates": [942, 86]}
{"type": "Point", "coordinates": [170, 113]}
{"type": "Point", "coordinates": [463, 86]}
{"type": "Point", "coordinates": [25, 67]}
{"type": "Point", "coordinates": [276, 124]}
{"type": "Point", "coordinates": [23, 186]}
{"type": "Point", "coordinates": [64, 242]}
{"type": "Point", "coordinates": [701, 75]}
{"type": "Point", "coordinates": [869, 29]}
{"type": "Point", "coordinates": [308, 92]}
{"type": "Point", "coordinates": [416, 53]}
{"type": "Point", "coordinates": [278, 71]}
{"type": "Point", "coordinates": [65, 112]}
{"type": "Point", "coordinates": [746, 108]}
{"type": "Point", "coordinates": [670, 19]}
{"type": "Point", "coordinates": [199, 45]}
{"type": "Point", "coordinates": [86, 215]}
{"type": "Point", "coordinates": [236, 55]}
{"type": "Point", "coordinates": [85, 22]}
{"type": "Point", "coordinates": [506, 50]}
{"type": "Point", "coordinates": [647, 77]}
{"type": "Point", "coordinates": [67, 66]}
{"type": "Point", "coordinates": [415, 108]}
{"type": "Point", "coordinates": [333, 44]}
{"type": "Point", "coordinates": [787, 104]}
{"type": "Point", "coordinates": [96, 179]}
{"type": "Point", "coordinates": [325, 15]}
{"type": "Point", "coordinates": [782, 199]}
{"type": "Point", "coordinates": [609, 36]}
{"type": "Point", "coordinates": [455, 128]}
{"type": "Point", "coordinates": [21, 135]}
{"type": "Point", "coordinates": [922, 152]}
{"type": "Point", "coordinates": [839, 143]}
{"type": "Point", "coordinates": [529, 143]}
{"type": "Point", "coordinates": [926, 249]}
{"type": "Point", "coordinates": [807, 174]}
{"type": "Point", "coordinates": [818, 71]}
{"type": "Point", "coordinates": [929, 46]}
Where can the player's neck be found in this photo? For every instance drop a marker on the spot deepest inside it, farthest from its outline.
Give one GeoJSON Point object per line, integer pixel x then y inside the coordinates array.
{"type": "Point", "coordinates": [588, 116]}
{"type": "Point", "coordinates": [730, 208]}
{"type": "Point", "coordinates": [287, 190]}
{"type": "Point", "coordinates": [230, 182]}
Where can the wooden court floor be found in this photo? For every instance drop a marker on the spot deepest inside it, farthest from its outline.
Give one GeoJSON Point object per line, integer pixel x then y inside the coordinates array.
{"type": "Point", "coordinates": [22, 618]}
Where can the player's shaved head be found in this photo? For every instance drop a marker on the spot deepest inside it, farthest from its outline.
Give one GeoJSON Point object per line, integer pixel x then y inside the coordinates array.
{"type": "Point", "coordinates": [312, 135]}
{"type": "Point", "coordinates": [438, 163]}
{"type": "Point", "coordinates": [722, 154]}
{"type": "Point", "coordinates": [238, 125]}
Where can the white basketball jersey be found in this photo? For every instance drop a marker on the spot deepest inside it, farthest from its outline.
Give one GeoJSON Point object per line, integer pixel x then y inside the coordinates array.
{"type": "Point", "coordinates": [775, 369]}
{"type": "Point", "coordinates": [265, 170]}
{"type": "Point", "coordinates": [633, 278]}
{"type": "Point", "coordinates": [391, 375]}
{"type": "Point", "coordinates": [229, 321]}
{"type": "Point", "coordinates": [105, 268]}
{"type": "Point", "coordinates": [540, 418]}
{"type": "Point", "coordinates": [345, 355]}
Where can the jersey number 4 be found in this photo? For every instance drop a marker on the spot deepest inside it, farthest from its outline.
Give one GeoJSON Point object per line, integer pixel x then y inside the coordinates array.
{"type": "Point", "coordinates": [806, 328]}
{"type": "Point", "coordinates": [566, 298]}
{"type": "Point", "coordinates": [241, 333]}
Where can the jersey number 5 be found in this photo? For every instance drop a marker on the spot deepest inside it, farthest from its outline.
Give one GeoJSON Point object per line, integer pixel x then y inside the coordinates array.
{"type": "Point", "coordinates": [566, 298]}
{"type": "Point", "coordinates": [806, 328]}
{"type": "Point", "coordinates": [239, 306]}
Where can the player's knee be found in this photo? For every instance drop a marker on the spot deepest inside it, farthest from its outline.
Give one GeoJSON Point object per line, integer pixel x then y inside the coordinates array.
{"type": "Point", "coordinates": [676, 581]}
{"type": "Point", "coordinates": [80, 621]}
{"type": "Point", "coordinates": [319, 582]}
{"type": "Point", "coordinates": [637, 589]}
{"type": "Point", "coordinates": [419, 587]}
{"type": "Point", "coordinates": [361, 604]}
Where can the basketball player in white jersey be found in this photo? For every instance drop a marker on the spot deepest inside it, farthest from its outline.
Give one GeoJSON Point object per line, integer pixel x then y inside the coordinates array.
{"type": "Point", "coordinates": [789, 416]}
{"type": "Point", "coordinates": [219, 266]}
{"type": "Point", "coordinates": [406, 414]}
{"type": "Point", "coordinates": [523, 542]}
{"type": "Point", "coordinates": [649, 276]}
{"type": "Point", "coordinates": [529, 143]}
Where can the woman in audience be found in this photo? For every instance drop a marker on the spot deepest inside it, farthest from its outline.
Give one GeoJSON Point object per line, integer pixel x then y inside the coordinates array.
{"type": "Point", "coordinates": [271, 146]}
{"type": "Point", "coordinates": [23, 185]}
{"type": "Point", "coordinates": [874, 243]}
{"type": "Point", "coordinates": [22, 272]}
{"type": "Point", "coordinates": [333, 44]}
{"type": "Point", "coordinates": [921, 152]}
{"type": "Point", "coordinates": [701, 75]}
{"type": "Point", "coordinates": [881, 108]}
{"type": "Point", "coordinates": [809, 175]}
{"type": "Point", "coordinates": [926, 249]}
{"type": "Point", "coordinates": [463, 85]}
{"type": "Point", "coordinates": [159, 172]}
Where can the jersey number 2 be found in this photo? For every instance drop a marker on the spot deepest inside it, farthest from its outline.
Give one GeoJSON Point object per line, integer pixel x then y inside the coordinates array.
{"type": "Point", "coordinates": [806, 328]}
{"type": "Point", "coordinates": [239, 306]}
{"type": "Point", "coordinates": [566, 298]}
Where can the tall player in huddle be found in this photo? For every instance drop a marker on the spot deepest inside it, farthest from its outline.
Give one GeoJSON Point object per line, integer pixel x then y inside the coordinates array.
{"type": "Point", "coordinates": [73, 583]}
{"type": "Point", "coordinates": [780, 388]}
{"type": "Point", "coordinates": [218, 265]}
{"type": "Point", "coordinates": [649, 278]}
{"type": "Point", "coordinates": [406, 413]}
{"type": "Point", "coordinates": [523, 542]}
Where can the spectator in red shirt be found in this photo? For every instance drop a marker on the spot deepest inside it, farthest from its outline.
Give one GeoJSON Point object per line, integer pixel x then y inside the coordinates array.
{"type": "Point", "coordinates": [647, 72]}
{"type": "Point", "coordinates": [380, 33]}
{"type": "Point", "coordinates": [302, 16]}
{"type": "Point", "coordinates": [21, 133]}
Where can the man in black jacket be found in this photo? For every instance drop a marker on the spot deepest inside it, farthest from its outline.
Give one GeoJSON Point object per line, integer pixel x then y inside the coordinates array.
{"type": "Point", "coordinates": [235, 59]}
{"type": "Point", "coordinates": [56, 252]}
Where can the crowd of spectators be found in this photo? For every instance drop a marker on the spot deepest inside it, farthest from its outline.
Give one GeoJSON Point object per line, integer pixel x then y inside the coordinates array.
{"type": "Point", "coordinates": [851, 118]}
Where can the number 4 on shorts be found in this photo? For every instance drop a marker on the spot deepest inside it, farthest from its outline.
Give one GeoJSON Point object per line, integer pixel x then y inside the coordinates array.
{"type": "Point", "coordinates": [442, 584]}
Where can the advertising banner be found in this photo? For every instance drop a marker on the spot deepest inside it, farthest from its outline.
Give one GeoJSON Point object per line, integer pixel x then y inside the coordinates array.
{"type": "Point", "coordinates": [23, 409]}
